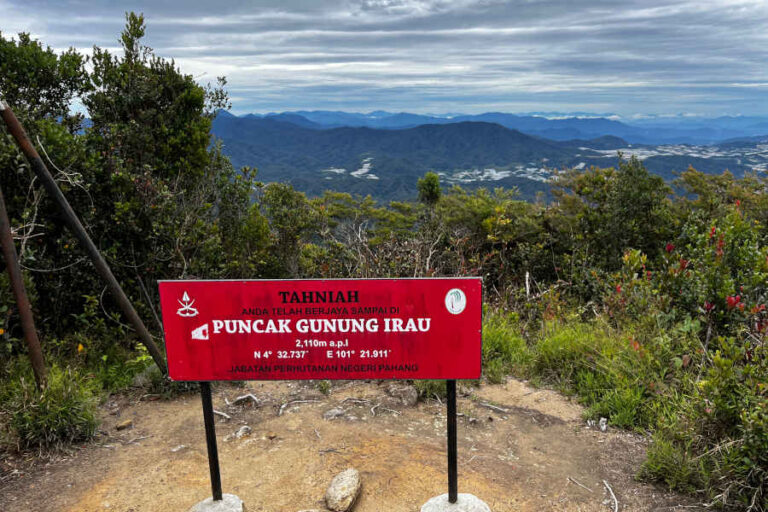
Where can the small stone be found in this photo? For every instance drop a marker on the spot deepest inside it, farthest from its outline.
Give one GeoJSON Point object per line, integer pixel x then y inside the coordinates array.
{"type": "Point", "coordinates": [603, 424]}
{"type": "Point", "coordinates": [124, 425]}
{"type": "Point", "coordinates": [464, 503]}
{"type": "Point", "coordinates": [408, 395]}
{"type": "Point", "coordinates": [343, 491]}
{"type": "Point", "coordinates": [228, 503]}
{"type": "Point", "coordinates": [178, 448]}
{"type": "Point", "coordinates": [242, 432]}
{"type": "Point", "coordinates": [332, 414]}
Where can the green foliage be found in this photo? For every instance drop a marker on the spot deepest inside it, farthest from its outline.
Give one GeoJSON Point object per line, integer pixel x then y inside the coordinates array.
{"type": "Point", "coordinates": [292, 219]}
{"type": "Point", "coordinates": [672, 464]}
{"type": "Point", "coordinates": [155, 383]}
{"type": "Point", "coordinates": [429, 188]}
{"type": "Point", "coordinates": [64, 412]}
{"type": "Point", "coordinates": [600, 213]}
{"type": "Point", "coordinates": [324, 386]}
{"type": "Point", "coordinates": [429, 389]}
{"type": "Point", "coordinates": [147, 183]}
{"type": "Point", "coordinates": [504, 350]}
{"type": "Point", "coordinates": [39, 82]}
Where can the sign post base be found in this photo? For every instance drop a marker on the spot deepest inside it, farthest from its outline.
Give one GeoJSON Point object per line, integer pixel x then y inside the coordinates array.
{"type": "Point", "coordinates": [464, 503]}
{"type": "Point", "coordinates": [228, 503]}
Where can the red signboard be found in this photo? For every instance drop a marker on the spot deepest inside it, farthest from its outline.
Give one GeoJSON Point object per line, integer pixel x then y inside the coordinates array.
{"type": "Point", "coordinates": [323, 329]}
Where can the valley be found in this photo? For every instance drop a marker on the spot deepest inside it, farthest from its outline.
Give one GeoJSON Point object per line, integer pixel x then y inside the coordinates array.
{"type": "Point", "coordinates": [386, 162]}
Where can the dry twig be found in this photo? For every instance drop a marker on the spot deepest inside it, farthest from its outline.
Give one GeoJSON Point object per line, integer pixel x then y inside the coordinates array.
{"type": "Point", "coordinates": [573, 480]}
{"type": "Point", "coordinates": [222, 414]}
{"type": "Point", "coordinates": [613, 497]}
{"type": "Point", "coordinates": [244, 398]}
{"type": "Point", "coordinates": [493, 407]}
{"type": "Point", "coordinates": [136, 439]}
{"type": "Point", "coordinates": [292, 402]}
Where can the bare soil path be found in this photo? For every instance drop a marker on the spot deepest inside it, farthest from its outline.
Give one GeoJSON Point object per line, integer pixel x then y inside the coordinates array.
{"type": "Point", "coordinates": [520, 449]}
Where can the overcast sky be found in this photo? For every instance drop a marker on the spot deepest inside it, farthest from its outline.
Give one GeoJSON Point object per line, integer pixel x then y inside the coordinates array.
{"type": "Point", "coordinates": [630, 57]}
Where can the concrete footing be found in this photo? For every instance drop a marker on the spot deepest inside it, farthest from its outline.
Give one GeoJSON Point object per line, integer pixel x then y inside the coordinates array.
{"type": "Point", "coordinates": [228, 503]}
{"type": "Point", "coordinates": [464, 503]}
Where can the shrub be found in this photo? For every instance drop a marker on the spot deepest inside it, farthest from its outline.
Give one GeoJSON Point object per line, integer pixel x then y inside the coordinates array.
{"type": "Point", "coordinates": [64, 412]}
{"type": "Point", "coordinates": [504, 349]}
{"type": "Point", "coordinates": [673, 464]}
{"type": "Point", "coordinates": [430, 388]}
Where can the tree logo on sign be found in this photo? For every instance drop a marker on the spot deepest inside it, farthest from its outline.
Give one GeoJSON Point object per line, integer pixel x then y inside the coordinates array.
{"type": "Point", "coordinates": [455, 301]}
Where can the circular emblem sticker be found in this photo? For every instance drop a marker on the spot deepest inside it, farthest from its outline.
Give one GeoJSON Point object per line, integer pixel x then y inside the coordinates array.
{"type": "Point", "coordinates": [455, 301]}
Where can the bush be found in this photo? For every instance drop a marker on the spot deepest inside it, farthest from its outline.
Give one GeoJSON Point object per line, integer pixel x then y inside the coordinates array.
{"type": "Point", "coordinates": [718, 439]}
{"type": "Point", "coordinates": [64, 412]}
{"type": "Point", "coordinates": [504, 349]}
{"type": "Point", "coordinates": [430, 389]}
{"type": "Point", "coordinates": [673, 464]}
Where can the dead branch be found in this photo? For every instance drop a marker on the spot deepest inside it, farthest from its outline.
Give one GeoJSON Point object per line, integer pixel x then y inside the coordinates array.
{"type": "Point", "coordinates": [222, 414]}
{"type": "Point", "coordinates": [293, 402]}
{"type": "Point", "coordinates": [137, 439]}
{"type": "Point", "coordinates": [244, 398]}
{"type": "Point", "coordinates": [573, 480]}
{"type": "Point", "coordinates": [360, 401]}
{"type": "Point", "coordinates": [613, 497]}
{"type": "Point", "coordinates": [492, 407]}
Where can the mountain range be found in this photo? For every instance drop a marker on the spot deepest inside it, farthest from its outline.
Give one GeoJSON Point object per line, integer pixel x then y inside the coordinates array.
{"type": "Point", "coordinates": [314, 155]}
{"type": "Point", "coordinates": [650, 130]}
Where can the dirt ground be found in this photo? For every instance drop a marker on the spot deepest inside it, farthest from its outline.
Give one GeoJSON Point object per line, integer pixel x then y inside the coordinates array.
{"type": "Point", "coordinates": [520, 449]}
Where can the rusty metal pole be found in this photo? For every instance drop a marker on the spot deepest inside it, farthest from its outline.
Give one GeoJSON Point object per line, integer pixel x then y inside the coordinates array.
{"type": "Point", "coordinates": [20, 294]}
{"type": "Point", "coordinates": [15, 129]}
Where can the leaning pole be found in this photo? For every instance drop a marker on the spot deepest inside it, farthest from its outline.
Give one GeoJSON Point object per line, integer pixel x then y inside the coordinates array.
{"type": "Point", "coordinates": [20, 294]}
{"type": "Point", "coordinates": [17, 131]}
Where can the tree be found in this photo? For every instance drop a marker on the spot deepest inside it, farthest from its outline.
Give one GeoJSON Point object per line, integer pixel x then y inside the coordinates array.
{"type": "Point", "coordinates": [612, 210]}
{"type": "Point", "coordinates": [292, 220]}
{"type": "Point", "coordinates": [157, 197]}
{"type": "Point", "coordinates": [38, 83]}
{"type": "Point", "coordinates": [429, 188]}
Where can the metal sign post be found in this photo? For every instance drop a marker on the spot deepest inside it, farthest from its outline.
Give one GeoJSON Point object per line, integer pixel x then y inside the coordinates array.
{"type": "Point", "coordinates": [210, 440]}
{"type": "Point", "coordinates": [453, 476]}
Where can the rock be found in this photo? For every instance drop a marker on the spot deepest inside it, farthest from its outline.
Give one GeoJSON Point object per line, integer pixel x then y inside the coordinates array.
{"type": "Point", "coordinates": [332, 414]}
{"type": "Point", "coordinates": [178, 448]}
{"type": "Point", "coordinates": [124, 425]}
{"type": "Point", "coordinates": [464, 503]}
{"type": "Point", "coordinates": [243, 431]}
{"type": "Point", "coordinates": [603, 424]}
{"type": "Point", "coordinates": [343, 491]}
{"type": "Point", "coordinates": [228, 503]}
{"type": "Point", "coordinates": [408, 395]}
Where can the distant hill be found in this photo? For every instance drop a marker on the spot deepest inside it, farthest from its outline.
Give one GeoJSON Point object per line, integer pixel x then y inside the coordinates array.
{"type": "Point", "coordinates": [386, 163]}
{"type": "Point", "coordinates": [661, 130]}
{"type": "Point", "coordinates": [605, 142]}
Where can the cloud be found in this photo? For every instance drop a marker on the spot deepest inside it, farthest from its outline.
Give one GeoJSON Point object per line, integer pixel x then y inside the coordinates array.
{"type": "Point", "coordinates": [629, 56]}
